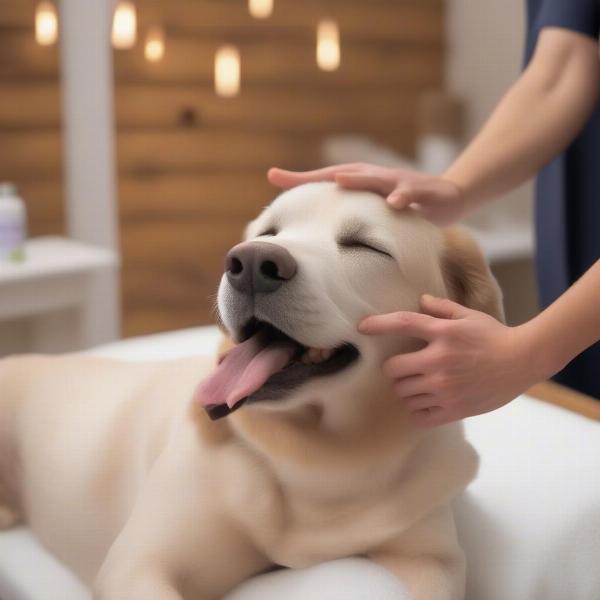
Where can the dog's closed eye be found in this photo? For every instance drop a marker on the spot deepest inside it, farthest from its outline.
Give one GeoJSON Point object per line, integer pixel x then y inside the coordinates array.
{"type": "Point", "coordinates": [359, 244]}
{"type": "Point", "coordinates": [272, 231]}
{"type": "Point", "coordinates": [355, 235]}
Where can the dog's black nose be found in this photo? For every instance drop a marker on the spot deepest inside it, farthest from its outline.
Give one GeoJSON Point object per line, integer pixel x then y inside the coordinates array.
{"type": "Point", "coordinates": [259, 267]}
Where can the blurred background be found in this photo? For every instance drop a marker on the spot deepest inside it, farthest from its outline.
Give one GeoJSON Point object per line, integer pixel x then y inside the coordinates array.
{"type": "Point", "coordinates": [135, 139]}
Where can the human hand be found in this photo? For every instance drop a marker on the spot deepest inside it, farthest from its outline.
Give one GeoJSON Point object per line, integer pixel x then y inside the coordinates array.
{"type": "Point", "coordinates": [437, 199]}
{"type": "Point", "coordinates": [472, 364]}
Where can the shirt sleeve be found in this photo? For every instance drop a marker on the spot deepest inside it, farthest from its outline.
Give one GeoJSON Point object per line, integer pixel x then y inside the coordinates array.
{"type": "Point", "coordinates": [581, 16]}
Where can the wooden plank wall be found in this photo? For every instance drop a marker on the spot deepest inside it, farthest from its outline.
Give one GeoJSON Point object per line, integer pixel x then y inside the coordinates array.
{"type": "Point", "coordinates": [192, 165]}
{"type": "Point", "coordinates": [30, 120]}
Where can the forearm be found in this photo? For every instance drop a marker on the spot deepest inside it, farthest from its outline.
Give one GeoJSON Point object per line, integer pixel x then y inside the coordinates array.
{"type": "Point", "coordinates": [566, 328]}
{"type": "Point", "coordinates": [539, 116]}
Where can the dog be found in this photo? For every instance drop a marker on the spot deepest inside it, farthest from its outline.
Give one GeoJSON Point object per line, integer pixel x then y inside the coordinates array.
{"type": "Point", "coordinates": [178, 480]}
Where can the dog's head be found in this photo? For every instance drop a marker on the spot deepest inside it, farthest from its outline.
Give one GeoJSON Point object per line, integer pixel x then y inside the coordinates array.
{"type": "Point", "coordinates": [315, 263]}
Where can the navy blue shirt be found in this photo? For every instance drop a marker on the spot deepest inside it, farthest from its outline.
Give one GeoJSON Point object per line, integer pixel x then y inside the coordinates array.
{"type": "Point", "coordinates": [582, 16]}
{"type": "Point", "coordinates": [568, 192]}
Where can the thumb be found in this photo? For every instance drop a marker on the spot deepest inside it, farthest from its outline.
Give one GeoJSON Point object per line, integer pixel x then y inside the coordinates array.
{"type": "Point", "coordinates": [403, 196]}
{"type": "Point", "coordinates": [424, 191]}
{"type": "Point", "coordinates": [427, 192]}
{"type": "Point", "coordinates": [443, 308]}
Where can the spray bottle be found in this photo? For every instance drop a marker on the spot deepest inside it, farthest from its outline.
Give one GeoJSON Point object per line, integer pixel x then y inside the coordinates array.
{"type": "Point", "coordinates": [13, 224]}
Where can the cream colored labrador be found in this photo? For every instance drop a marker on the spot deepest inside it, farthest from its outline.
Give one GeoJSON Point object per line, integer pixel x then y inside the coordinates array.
{"type": "Point", "coordinates": [120, 472]}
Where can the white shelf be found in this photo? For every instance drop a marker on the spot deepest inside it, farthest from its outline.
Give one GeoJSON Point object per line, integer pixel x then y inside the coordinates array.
{"type": "Point", "coordinates": [57, 297]}
{"type": "Point", "coordinates": [506, 243]}
{"type": "Point", "coordinates": [56, 256]}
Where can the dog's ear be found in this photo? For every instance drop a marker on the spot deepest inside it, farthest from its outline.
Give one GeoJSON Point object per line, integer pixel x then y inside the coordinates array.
{"type": "Point", "coordinates": [467, 275]}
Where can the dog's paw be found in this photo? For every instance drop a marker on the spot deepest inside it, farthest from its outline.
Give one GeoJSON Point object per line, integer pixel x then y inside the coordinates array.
{"type": "Point", "coordinates": [8, 518]}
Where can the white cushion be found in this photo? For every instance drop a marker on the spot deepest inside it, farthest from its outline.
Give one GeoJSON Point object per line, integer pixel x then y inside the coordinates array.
{"type": "Point", "coordinates": [164, 346]}
{"type": "Point", "coordinates": [28, 572]}
{"type": "Point", "coordinates": [345, 579]}
{"type": "Point", "coordinates": [530, 523]}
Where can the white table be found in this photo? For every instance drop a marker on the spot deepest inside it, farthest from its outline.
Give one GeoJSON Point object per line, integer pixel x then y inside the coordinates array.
{"type": "Point", "coordinates": [506, 242]}
{"type": "Point", "coordinates": [54, 301]}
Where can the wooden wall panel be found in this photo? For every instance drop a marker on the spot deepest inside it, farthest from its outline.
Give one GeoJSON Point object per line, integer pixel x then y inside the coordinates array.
{"type": "Point", "coordinates": [22, 59]}
{"type": "Point", "coordinates": [36, 106]}
{"type": "Point", "coordinates": [30, 120]}
{"type": "Point", "coordinates": [290, 64]}
{"type": "Point", "coordinates": [192, 166]}
{"type": "Point", "coordinates": [396, 21]}
{"type": "Point", "coordinates": [393, 20]}
{"type": "Point", "coordinates": [31, 105]}
{"type": "Point", "coordinates": [212, 195]}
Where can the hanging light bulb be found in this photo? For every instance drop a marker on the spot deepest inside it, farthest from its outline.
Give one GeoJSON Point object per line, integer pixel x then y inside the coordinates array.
{"type": "Point", "coordinates": [124, 27]}
{"type": "Point", "coordinates": [328, 45]}
{"type": "Point", "coordinates": [227, 71]}
{"type": "Point", "coordinates": [46, 24]}
{"type": "Point", "coordinates": [154, 49]}
{"type": "Point", "coordinates": [260, 9]}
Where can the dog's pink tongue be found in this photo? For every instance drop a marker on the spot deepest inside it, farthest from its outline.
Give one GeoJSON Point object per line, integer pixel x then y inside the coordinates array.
{"type": "Point", "coordinates": [245, 370]}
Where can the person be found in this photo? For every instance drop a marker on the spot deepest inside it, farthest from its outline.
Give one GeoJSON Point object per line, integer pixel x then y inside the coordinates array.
{"type": "Point", "coordinates": [548, 123]}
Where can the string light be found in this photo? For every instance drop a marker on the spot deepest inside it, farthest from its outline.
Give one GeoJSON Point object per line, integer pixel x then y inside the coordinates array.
{"type": "Point", "coordinates": [124, 27]}
{"type": "Point", "coordinates": [154, 49]}
{"type": "Point", "coordinates": [328, 45]}
{"type": "Point", "coordinates": [260, 9]}
{"type": "Point", "coordinates": [46, 24]}
{"type": "Point", "coordinates": [227, 71]}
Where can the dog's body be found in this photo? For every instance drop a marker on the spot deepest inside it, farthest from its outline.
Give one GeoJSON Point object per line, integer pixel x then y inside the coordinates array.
{"type": "Point", "coordinates": [116, 467]}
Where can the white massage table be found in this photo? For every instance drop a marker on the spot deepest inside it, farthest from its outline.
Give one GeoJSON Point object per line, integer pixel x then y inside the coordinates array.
{"type": "Point", "coordinates": [530, 523]}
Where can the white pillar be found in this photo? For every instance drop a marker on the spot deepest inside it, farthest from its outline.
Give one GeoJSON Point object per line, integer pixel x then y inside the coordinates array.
{"type": "Point", "coordinates": [89, 150]}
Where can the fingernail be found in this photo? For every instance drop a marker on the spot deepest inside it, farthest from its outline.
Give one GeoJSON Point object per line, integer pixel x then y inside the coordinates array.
{"type": "Point", "coordinates": [427, 297]}
{"type": "Point", "coordinates": [363, 326]}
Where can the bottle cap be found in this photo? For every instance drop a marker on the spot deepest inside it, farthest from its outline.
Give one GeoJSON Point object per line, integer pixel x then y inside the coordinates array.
{"type": "Point", "coordinates": [7, 189]}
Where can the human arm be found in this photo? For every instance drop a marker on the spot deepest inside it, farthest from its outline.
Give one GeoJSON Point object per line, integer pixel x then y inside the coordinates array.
{"type": "Point", "coordinates": [474, 364]}
{"type": "Point", "coordinates": [538, 117]}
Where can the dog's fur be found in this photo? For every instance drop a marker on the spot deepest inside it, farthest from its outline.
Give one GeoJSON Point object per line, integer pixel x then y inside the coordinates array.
{"type": "Point", "coordinates": [117, 469]}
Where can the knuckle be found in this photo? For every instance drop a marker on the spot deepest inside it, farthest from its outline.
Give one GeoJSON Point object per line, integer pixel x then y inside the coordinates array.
{"type": "Point", "coordinates": [441, 327]}
{"type": "Point", "coordinates": [441, 381]}
{"type": "Point", "coordinates": [449, 331]}
{"type": "Point", "coordinates": [439, 356]}
{"type": "Point", "coordinates": [450, 355]}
